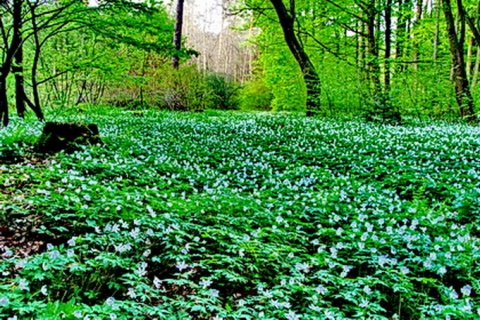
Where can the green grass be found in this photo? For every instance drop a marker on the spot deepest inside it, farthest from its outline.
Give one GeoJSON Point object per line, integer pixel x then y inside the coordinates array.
{"type": "Point", "coordinates": [243, 216]}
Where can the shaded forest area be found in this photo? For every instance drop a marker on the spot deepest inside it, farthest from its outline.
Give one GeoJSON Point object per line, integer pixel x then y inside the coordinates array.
{"type": "Point", "coordinates": [379, 59]}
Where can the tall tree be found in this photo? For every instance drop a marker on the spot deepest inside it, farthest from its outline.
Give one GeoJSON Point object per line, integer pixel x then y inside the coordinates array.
{"type": "Point", "coordinates": [177, 38]}
{"type": "Point", "coordinates": [287, 18]}
{"type": "Point", "coordinates": [373, 57]}
{"type": "Point", "coordinates": [415, 44]}
{"type": "Point", "coordinates": [463, 94]}
{"type": "Point", "coordinates": [388, 44]}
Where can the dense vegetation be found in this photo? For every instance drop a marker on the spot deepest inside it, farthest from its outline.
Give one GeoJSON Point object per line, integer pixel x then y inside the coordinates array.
{"type": "Point", "coordinates": [241, 216]}
{"type": "Point", "coordinates": [377, 59]}
{"type": "Point", "coordinates": [370, 212]}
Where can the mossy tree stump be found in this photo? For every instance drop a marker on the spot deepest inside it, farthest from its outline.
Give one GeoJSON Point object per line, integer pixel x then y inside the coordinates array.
{"type": "Point", "coordinates": [58, 136]}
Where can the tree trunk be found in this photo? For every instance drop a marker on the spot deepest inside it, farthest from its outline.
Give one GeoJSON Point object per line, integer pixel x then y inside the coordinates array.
{"type": "Point", "coordinates": [35, 105]}
{"type": "Point", "coordinates": [310, 75]}
{"type": "Point", "coordinates": [388, 44]}
{"type": "Point", "coordinates": [177, 37]}
{"type": "Point", "coordinates": [476, 69]}
{"type": "Point", "coordinates": [418, 18]}
{"type": "Point", "coordinates": [470, 53]}
{"type": "Point", "coordinates": [4, 117]}
{"type": "Point", "coordinates": [17, 67]}
{"type": "Point", "coordinates": [436, 40]}
{"type": "Point", "coordinates": [462, 89]}
{"type": "Point", "coordinates": [373, 66]}
{"type": "Point", "coordinates": [401, 31]}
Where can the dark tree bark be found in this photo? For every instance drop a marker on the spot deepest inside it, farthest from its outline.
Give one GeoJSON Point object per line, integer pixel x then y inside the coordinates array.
{"type": "Point", "coordinates": [373, 66]}
{"type": "Point", "coordinates": [13, 62]}
{"type": "Point", "coordinates": [17, 67]}
{"type": "Point", "coordinates": [388, 44]}
{"type": "Point", "coordinates": [310, 75]}
{"type": "Point", "coordinates": [177, 37]}
{"type": "Point", "coordinates": [462, 89]}
{"type": "Point", "coordinates": [4, 116]}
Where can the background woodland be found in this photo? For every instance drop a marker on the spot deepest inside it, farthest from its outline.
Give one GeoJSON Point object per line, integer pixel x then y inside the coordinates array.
{"type": "Point", "coordinates": [379, 59]}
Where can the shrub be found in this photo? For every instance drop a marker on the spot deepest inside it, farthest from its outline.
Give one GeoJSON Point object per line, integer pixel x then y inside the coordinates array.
{"type": "Point", "coordinates": [256, 95]}
{"type": "Point", "coordinates": [184, 89]}
{"type": "Point", "coordinates": [224, 92]}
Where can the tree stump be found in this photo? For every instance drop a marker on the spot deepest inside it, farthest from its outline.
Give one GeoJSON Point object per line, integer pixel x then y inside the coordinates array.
{"type": "Point", "coordinates": [58, 136]}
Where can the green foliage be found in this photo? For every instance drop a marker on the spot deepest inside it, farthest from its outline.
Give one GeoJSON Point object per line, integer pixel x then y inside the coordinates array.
{"type": "Point", "coordinates": [281, 72]}
{"type": "Point", "coordinates": [224, 92]}
{"type": "Point", "coordinates": [244, 216]}
{"type": "Point", "coordinates": [255, 95]}
{"type": "Point", "coordinates": [185, 89]}
{"type": "Point", "coordinates": [189, 89]}
{"type": "Point", "coordinates": [142, 25]}
{"type": "Point", "coordinates": [336, 42]}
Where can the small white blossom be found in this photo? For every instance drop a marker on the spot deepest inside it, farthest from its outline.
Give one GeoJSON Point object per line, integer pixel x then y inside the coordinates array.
{"type": "Point", "coordinates": [157, 282]}
{"type": "Point", "coordinates": [367, 290]}
{"type": "Point", "coordinates": [23, 285]}
{"type": "Point", "coordinates": [292, 316]}
{"type": "Point", "coordinates": [442, 270]}
{"type": "Point", "coordinates": [214, 293]}
{"type": "Point", "coordinates": [453, 294]}
{"type": "Point", "coordinates": [206, 283]}
{"type": "Point", "coordinates": [4, 301]}
{"type": "Point", "coordinates": [131, 293]}
{"type": "Point", "coordinates": [466, 290]}
{"type": "Point", "coordinates": [364, 303]}
{"type": "Point", "coordinates": [134, 233]}
{"type": "Point", "coordinates": [181, 266]}
{"type": "Point", "coordinates": [71, 242]}
{"type": "Point", "coordinates": [404, 270]}
{"type": "Point", "coordinates": [44, 291]}
{"type": "Point", "coordinates": [54, 254]}
{"type": "Point", "coordinates": [110, 301]}
{"type": "Point", "coordinates": [321, 289]}
{"type": "Point", "coordinates": [275, 303]}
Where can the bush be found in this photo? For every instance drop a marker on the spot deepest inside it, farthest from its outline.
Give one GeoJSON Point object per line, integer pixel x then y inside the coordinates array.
{"type": "Point", "coordinates": [184, 89]}
{"type": "Point", "coordinates": [224, 92]}
{"type": "Point", "coordinates": [255, 95]}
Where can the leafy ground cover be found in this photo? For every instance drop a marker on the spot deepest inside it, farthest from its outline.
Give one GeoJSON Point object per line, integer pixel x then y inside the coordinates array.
{"type": "Point", "coordinates": [242, 216]}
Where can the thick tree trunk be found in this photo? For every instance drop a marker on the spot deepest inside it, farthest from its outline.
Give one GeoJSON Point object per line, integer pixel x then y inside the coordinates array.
{"type": "Point", "coordinates": [462, 90]}
{"type": "Point", "coordinates": [310, 75]}
{"type": "Point", "coordinates": [177, 37]}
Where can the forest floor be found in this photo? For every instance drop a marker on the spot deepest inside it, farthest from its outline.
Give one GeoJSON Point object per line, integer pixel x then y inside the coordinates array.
{"type": "Point", "coordinates": [241, 216]}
